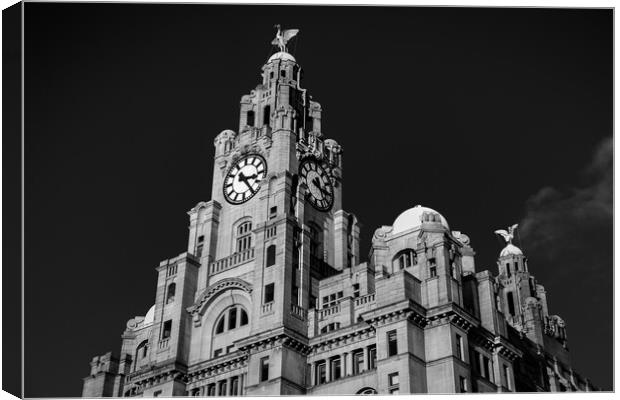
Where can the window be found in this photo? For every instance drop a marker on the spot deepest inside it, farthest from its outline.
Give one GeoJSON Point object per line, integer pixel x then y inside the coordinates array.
{"type": "Point", "coordinates": [166, 332]}
{"type": "Point", "coordinates": [486, 370]}
{"type": "Point", "coordinates": [283, 73]}
{"type": "Point", "coordinates": [271, 75]}
{"type": "Point", "coordinates": [250, 118]}
{"type": "Point", "coordinates": [196, 392]}
{"type": "Point", "coordinates": [171, 291]}
{"type": "Point", "coordinates": [268, 293]}
{"type": "Point", "coordinates": [266, 115]}
{"type": "Point", "coordinates": [198, 250]}
{"type": "Point", "coordinates": [356, 290]}
{"type": "Point", "coordinates": [392, 343]}
{"type": "Point", "coordinates": [211, 389]}
{"type": "Point", "coordinates": [516, 266]}
{"type": "Point", "coordinates": [511, 304]}
{"type": "Point", "coordinates": [217, 352]}
{"type": "Point", "coordinates": [234, 386]}
{"type": "Point", "coordinates": [222, 388]}
{"type": "Point", "coordinates": [271, 255]}
{"type": "Point", "coordinates": [432, 271]}
{"type": "Point", "coordinates": [405, 259]}
{"type": "Point", "coordinates": [232, 318]}
{"type": "Point", "coordinates": [321, 376]}
{"type": "Point", "coordinates": [508, 270]}
{"type": "Point", "coordinates": [273, 212]}
{"type": "Point", "coordinates": [459, 348]}
{"type": "Point", "coordinates": [507, 377]}
{"type": "Point", "coordinates": [157, 393]}
{"type": "Point", "coordinates": [463, 384]}
{"type": "Point", "coordinates": [142, 349]}
{"type": "Point", "coordinates": [358, 362]}
{"type": "Point", "coordinates": [335, 368]}
{"type": "Point", "coordinates": [229, 349]}
{"type": "Point", "coordinates": [220, 326]}
{"type": "Point", "coordinates": [264, 369]}
{"type": "Point", "coordinates": [372, 357]}
{"type": "Point", "coordinates": [367, 390]}
{"type": "Point", "coordinates": [393, 383]}
{"type": "Point", "coordinates": [244, 236]}
{"type": "Point", "coordinates": [244, 318]}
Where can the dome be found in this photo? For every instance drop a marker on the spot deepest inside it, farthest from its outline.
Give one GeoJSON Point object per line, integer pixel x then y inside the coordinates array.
{"type": "Point", "coordinates": [150, 316]}
{"type": "Point", "coordinates": [412, 218]}
{"type": "Point", "coordinates": [281, 55]}
{"type": "Point", "coordinates": [511, 250]}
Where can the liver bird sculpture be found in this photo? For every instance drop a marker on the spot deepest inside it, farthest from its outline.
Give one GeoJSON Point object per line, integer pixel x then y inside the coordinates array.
{"type": "Point", "coordinates": [282, 37]}
{"type": "Point", "coordinates": [507, 235]}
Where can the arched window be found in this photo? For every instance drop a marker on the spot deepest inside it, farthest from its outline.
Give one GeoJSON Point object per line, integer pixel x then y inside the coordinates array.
{"type": "Point", "coordinates": [171, 292]}
{"type": "Point", "coordinates": [232, 318]}
{"type": "Point", "coordinates": [271, 255]}
{"type": "Point", "coordinates": [142, 350]}
{"type": "Point", "coordinates": [367, 390]}
{"type": "Point", "coordinates": [244, 236]}
{"type": "Point", "coordinates": [404, 259]}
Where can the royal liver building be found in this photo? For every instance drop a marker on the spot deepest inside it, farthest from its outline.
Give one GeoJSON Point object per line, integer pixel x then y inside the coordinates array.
{"type": "Point", "coordinates": [271, 296]}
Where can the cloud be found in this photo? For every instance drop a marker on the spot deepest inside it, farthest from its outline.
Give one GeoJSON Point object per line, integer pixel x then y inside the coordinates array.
{"type": "Point", "coordinates": [569, 219]}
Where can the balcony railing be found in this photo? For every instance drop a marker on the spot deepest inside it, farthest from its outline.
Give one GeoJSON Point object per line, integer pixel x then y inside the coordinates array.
{"type": "Point", "coordinates": [329, 311]}
{"type": "Point", "coordinates": [369, 298]}
{"type": "Point", "coordinates": [267, 308]}
{"type": "Point", "coordinates": [298, 312]}
{"type": "Point", "coordinates": [231, 261]}
{"type": "Point", "coordinates": [163, 343]}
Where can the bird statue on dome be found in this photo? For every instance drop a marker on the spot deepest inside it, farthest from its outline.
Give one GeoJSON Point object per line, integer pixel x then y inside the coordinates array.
{"type": "Point", "coordinates": [282, 37]}
{"type": "Point", "coordinates": [507, 235]}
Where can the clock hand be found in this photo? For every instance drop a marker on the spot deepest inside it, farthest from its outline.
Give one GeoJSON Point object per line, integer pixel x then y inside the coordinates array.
{"type": "Point", "coordinates": [244, 179]}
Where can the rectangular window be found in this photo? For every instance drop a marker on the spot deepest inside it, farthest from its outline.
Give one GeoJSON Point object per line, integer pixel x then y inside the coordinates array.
{"type": "Point", "coordinates": [234, 386]}
{"type": "Point", "coordinates": [229, 349]}
{"type": "Point", "coordinates": [392, 343]}
{"type": "Point", "coordinates": [372, 357]}
{"type": "Point", "coordinates": [356, 290]}
{"type": "Point", "coordinates": [393, 383]}
{"type": "Point", "coordinates": [157, 393]}
{"type": "Point", "coordinates": [335, 368]}
{"type": "Point", "coordinates": [473, 361]}
{"type": "Point", "coordinates": [463, 384]}
{"type": "Point", "coordinates": [217, 352]}
{"type": "Point", "coordinates": [167, 331]}
{"type": "Point", "coordinates": [486, 370]}
{"type": "Point", "coordinates": [250, 118]}
{"type": "Point", "coordinates": [222, 388]}
{"type": "Point", "coordinates": [271, 255]}
{"type": "Point", "coordinates": [199, 250]}
{"type": "Point", "coordinates": [433, 271]}
{"type": "Point", "coordinates": [269, 293]}
{"type": "Point", "coordinates": [508, 270]}
{"type": "Point", "coordinates": [211, 389]}
{"type": "Point", "coordinates": [321, 374]}
{"type": "Point", "coordinates": [267, 116]}
{"type": "Point", "coordinates": [393, 379]}
{"type": "Point", "coordinates": [264, 369]}
{"type": "Point", "coordinates": [459, 348]}
{"type": "Point", "coordinates": [358, 362]}
{"type": "Point", "coordinates": [511, 304]}
{"type": "Point", "coordinates": [273, 212]}
{"type": "Point", "coordinates": [325, 301]}
{"type": "Point", "coordinates": [507, 377]}
{"type": "Point", "coordinates": [201, 238]}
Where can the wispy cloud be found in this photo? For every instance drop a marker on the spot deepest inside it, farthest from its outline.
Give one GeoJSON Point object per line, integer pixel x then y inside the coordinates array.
{"type": "Point", "coordinates": [564, 220]}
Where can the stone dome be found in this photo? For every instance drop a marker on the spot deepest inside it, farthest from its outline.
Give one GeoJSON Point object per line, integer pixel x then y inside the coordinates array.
{"type": "Point", "coordinates": [149, 317]}
{"type": "Point", "coordinates": [510, 250]}
{"type": "Point", "coordinates": [281, 55]}
{"type": "Point", "coordinates": [412, 218]}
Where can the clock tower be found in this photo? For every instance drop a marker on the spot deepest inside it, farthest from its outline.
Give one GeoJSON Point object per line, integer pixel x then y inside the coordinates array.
{"type": "Point", "coordinates": [273, 229]}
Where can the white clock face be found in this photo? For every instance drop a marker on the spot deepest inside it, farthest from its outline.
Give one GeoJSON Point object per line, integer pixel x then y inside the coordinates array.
{"type": "Point", "coordinates": [320, 190]}
{"type": "Point", "coordinates": [243, 179]}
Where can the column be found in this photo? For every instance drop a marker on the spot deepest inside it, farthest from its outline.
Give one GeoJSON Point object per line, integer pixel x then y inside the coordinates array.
{"type": "Point", "coordinates": [328, 370]}
{"type": "Point", "coordinates": [366, 359]}
{"type": "Point", "coordinates": [313, 374]}
{"type": "Point", "coordinates": [228, 386]}
{"type": "Point", "coordinates": [344, 368]}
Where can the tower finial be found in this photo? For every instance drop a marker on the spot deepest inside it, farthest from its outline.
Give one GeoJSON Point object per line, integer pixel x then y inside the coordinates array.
{"type": "Point", "coordinates": [508, 235]}
{"type": "Point", "coordinates": [282, 37]}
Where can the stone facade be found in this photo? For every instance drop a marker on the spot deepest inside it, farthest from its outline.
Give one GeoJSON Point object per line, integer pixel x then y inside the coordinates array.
{"type": "Point", "coordinates": [270, 297]}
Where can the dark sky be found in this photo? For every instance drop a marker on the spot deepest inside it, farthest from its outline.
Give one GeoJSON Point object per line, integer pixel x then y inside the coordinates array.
{"type": "Point", "coordinates": [489, 116]}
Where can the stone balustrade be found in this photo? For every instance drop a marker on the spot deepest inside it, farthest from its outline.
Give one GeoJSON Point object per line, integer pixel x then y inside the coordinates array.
{"type": "Point", "coordinates": [231, 261]}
